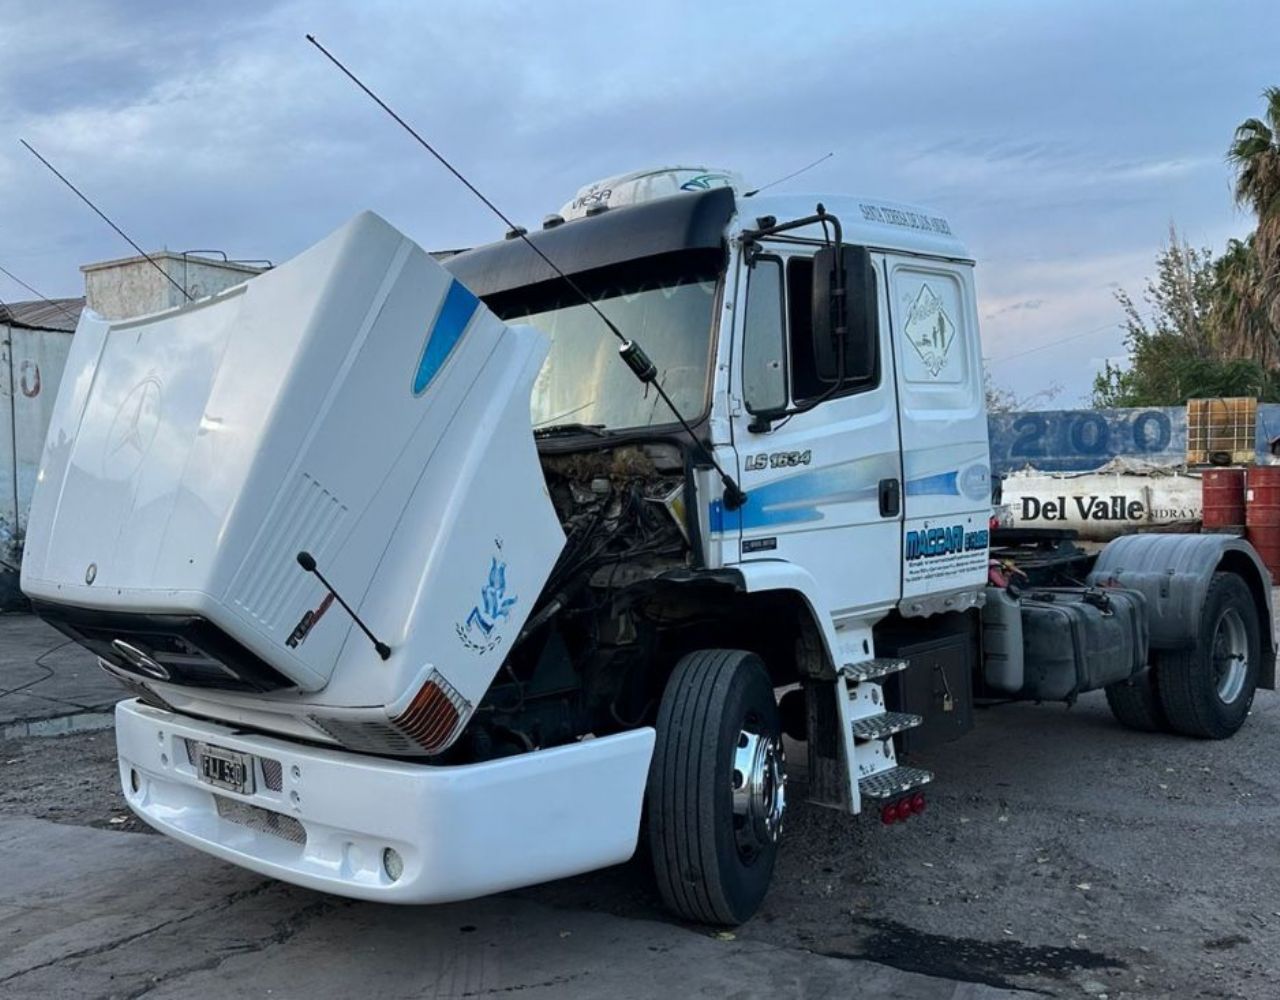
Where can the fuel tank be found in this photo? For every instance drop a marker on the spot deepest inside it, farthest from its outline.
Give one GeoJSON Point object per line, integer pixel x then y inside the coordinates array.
{"type": "Point", "coordinates": [357, 403]}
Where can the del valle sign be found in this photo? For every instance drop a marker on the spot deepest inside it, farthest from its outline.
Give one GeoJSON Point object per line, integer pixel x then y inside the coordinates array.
{"type": "Point", "coordinates": [1117, 507]}
{"type": "Point", "coordinates": [1102, 505]}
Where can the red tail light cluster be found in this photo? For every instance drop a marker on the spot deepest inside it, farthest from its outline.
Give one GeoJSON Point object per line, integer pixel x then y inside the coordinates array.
{"type": "Point", "coordinates": [902, 809]}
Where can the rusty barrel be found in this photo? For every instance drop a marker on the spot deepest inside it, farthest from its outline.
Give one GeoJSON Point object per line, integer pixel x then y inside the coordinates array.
{"type": "Point", "coordinates": [1222, 497]}
{"type": "Point", "coordinates": [1262, 514]}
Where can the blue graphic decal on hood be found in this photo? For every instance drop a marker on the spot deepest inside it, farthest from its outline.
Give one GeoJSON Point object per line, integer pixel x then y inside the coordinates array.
{"type": "Point", "coordinates": [455, 313]}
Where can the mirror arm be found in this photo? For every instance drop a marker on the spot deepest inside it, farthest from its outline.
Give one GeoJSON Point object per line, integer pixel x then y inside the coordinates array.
{"type": "Point", "coordinates": [839, 299]}
{"type": "Point", "coordinates": [762, 423]}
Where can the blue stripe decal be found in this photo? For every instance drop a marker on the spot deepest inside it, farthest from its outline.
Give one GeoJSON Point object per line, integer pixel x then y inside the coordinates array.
{"type": "Point", "coordinates": [796, 499]}
{"type": "Point", "coordinates": [944, 483]}
{"type": "Point", "coordinates": [455, 313]}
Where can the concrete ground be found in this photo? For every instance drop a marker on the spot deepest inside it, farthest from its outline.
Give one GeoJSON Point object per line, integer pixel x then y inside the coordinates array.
{"type": "Point", "coordinates": [1060, 854]}
{"type": "Point", "coordinates": [47, 682]}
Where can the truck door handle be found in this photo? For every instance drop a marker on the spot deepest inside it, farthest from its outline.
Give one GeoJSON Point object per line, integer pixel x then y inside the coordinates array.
{"type": "Point", "coordinates": [890, 497]}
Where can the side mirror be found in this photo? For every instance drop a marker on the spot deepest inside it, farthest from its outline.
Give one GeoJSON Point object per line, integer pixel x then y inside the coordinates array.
{"type": "Point", "coordinates": [861, 316]}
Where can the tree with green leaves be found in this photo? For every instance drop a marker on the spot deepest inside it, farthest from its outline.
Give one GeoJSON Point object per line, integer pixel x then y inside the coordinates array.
{"type": "Point", "coordinates": [1175, 350]}
{"type": "Point", "coordinates": [1255, 155]}
{"type": "Point", "coordinates": [1213, 325]}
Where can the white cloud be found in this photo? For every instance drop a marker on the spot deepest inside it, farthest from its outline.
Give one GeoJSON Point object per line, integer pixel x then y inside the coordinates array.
{"type": "Point", "coordinates": [1059, 138]}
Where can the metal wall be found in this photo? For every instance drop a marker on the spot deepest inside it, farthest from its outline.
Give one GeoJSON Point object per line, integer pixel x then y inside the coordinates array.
{"type": "Point", "coordinates": [31, 364]}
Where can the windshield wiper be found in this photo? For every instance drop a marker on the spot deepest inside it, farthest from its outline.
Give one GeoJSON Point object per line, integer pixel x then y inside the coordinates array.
{"type": "Point", "coordinates": [556, 430]}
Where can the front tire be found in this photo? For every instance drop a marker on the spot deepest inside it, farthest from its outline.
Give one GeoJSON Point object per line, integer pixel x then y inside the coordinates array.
{"type": "Point", "coordinates": [1207, 691]}
{"type": "Point", "coordinates": [717, 787]}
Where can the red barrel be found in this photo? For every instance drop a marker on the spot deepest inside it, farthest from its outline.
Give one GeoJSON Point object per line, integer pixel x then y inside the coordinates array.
{"type": "Point", "coordinates": [1222, 495]}
{"type": "Point", "coordinates": [1262, 514]}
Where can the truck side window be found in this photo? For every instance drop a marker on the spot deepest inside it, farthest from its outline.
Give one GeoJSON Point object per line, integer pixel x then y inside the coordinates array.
{"type": "Point", "coordinates": [764, 350]}
{"type": "Point", "coordinates": [805, 383]}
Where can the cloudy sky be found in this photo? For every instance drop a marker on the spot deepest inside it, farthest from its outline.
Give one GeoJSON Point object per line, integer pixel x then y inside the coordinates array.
{"type": "Point", "coordinates": [1061, 139]}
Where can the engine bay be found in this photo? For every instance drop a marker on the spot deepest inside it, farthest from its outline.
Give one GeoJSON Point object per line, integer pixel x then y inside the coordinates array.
{"type": "Point", "coordinates": [578, 665]}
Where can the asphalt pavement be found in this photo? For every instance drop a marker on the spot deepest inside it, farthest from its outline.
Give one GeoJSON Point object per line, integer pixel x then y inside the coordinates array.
{"type": "Point", "coordinates": [1060, 854]}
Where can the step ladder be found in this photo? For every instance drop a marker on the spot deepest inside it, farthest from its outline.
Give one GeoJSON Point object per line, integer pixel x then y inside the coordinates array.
{"type": "Point", "coordinates": [868, 729]}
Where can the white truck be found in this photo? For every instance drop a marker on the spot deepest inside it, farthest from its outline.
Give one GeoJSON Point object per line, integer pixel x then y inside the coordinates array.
{"type": "Point", "coordinates": [557, 621]}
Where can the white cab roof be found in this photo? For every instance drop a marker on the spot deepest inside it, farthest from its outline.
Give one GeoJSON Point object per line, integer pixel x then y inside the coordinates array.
{"type": "Point", "coordinates": [872, 222]}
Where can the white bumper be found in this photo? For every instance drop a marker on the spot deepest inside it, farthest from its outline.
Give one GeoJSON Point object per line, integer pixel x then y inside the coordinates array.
{"type": "Point", "coordinates": [461, 831]}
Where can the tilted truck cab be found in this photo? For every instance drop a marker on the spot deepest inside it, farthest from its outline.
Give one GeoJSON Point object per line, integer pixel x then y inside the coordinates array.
{"type": "Point", "coordinates": [586, 610]}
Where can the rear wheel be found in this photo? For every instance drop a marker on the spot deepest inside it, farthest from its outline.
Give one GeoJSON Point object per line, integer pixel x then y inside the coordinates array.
{"type": "Point", "coordinates": [717, 787]}
{"type": "Point", "coordinates": [1207, 691]}
{"type": "Point", "coordinates": [1136, 702]}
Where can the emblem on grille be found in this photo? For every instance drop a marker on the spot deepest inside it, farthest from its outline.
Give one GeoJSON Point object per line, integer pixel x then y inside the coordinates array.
{"type": "Point", "coordinates": [139, 660]}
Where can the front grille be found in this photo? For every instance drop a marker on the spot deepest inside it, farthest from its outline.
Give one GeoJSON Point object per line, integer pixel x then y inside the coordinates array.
{"type": "Point", "coordinates": [262, 820]}
{"type": "Point", "coordinates": [369, 737]}
{"type": "Point", "coordinates": [272, 773]}
{"type": "Point", "coordinates": [187, 649]}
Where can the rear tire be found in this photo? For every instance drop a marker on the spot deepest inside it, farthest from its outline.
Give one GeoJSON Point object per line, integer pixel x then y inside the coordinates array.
{"type": "Point", "coordinates": [717, 787]}
{"type": "Point", "coordinates": [1207, 691]}
{"type": "Point", "coordinates": [1136, 702]}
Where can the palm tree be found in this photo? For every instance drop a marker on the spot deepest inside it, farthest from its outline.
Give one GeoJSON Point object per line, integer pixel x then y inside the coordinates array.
{"type": "Point", "coordinates": [1255, 154]}
{"type": "Point", "coordinates": [1240, 327]}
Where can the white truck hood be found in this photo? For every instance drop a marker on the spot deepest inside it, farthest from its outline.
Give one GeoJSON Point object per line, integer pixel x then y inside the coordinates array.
{"type": "Point", "coordinates": [357, 403]}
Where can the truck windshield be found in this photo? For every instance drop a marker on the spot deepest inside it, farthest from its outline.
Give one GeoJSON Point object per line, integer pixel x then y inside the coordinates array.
{"type": "Point", "coordinates": [669, 311]}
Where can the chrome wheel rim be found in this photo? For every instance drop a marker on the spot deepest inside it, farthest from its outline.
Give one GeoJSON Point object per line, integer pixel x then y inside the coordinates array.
{"type": "Point", "coordinates": [759, 785]}
{"type": "Point", "coordinates": [1230, 653]}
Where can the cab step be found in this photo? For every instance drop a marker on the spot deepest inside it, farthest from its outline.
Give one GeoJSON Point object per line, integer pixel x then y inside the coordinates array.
{"type": "Point", "coordinates": [894, 781]}
{"type": "Point", "coordinates": [884, 725]}
{"type": "Point", "coordinates": [869, 670]}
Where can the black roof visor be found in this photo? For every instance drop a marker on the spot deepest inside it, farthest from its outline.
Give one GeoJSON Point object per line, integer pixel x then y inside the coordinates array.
{"type": "Point", "coordinates": [681, 222]}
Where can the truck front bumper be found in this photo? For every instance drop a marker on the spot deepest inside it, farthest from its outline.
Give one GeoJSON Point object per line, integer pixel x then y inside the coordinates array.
{"type": "Point", "coordinates": [386, 830]}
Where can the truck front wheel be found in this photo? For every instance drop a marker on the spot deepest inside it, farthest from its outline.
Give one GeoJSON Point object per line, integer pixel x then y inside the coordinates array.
{"type": "Point", "coordinates": [717, 787]}
{"type": "Point", "coordinates": [1207, 691]}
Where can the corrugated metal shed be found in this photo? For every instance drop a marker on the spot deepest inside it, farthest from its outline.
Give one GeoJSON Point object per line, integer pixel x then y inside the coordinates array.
{"type": "Point", "coordinates": [35, 337]}
{"type": "Point", "coordinates": [39, 314]}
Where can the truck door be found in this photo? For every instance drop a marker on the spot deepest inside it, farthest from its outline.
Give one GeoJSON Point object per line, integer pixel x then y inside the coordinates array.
{"type": "Point", "coordinates": [946, 463]}
{"type": "Point", "coordinates": [823, 486]}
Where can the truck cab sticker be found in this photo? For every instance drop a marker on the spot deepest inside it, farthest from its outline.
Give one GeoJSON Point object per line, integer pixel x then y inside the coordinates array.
{"type": "Point", "coordinates": [907, 219]}
{"type": "Point", "coordinates": [308, 622]}
{"type": "Point", "coordinates": [480, 631]}
{"type": "Point", "coordinates": [930, 330]}
{"type": "Point", "coordinates": [944, 551]}
{"type": "Point", "coordinates": [778, 460]}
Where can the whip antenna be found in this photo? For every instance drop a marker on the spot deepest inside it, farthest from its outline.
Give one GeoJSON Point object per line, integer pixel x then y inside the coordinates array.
{"type": "Point", "coordinates": [102, 215]}
{"type": "Point", "coordinates": [628, 350]}
{"type": "Point", "coordinates": [794, 173]}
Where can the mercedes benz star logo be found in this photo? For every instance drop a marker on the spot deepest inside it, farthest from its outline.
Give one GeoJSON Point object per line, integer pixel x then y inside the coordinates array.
{"type": "Point", "coordinates": [134, 427]}
{"type": "Point", "coordinates": [139, 660]}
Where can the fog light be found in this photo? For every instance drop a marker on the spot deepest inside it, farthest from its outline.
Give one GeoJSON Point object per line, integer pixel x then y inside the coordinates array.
{"type": "Point", "coordinates": [392, 863]}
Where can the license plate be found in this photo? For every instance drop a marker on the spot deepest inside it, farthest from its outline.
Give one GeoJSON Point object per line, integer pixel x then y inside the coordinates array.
{"type": "Point", "coordinates": [224, 768]}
